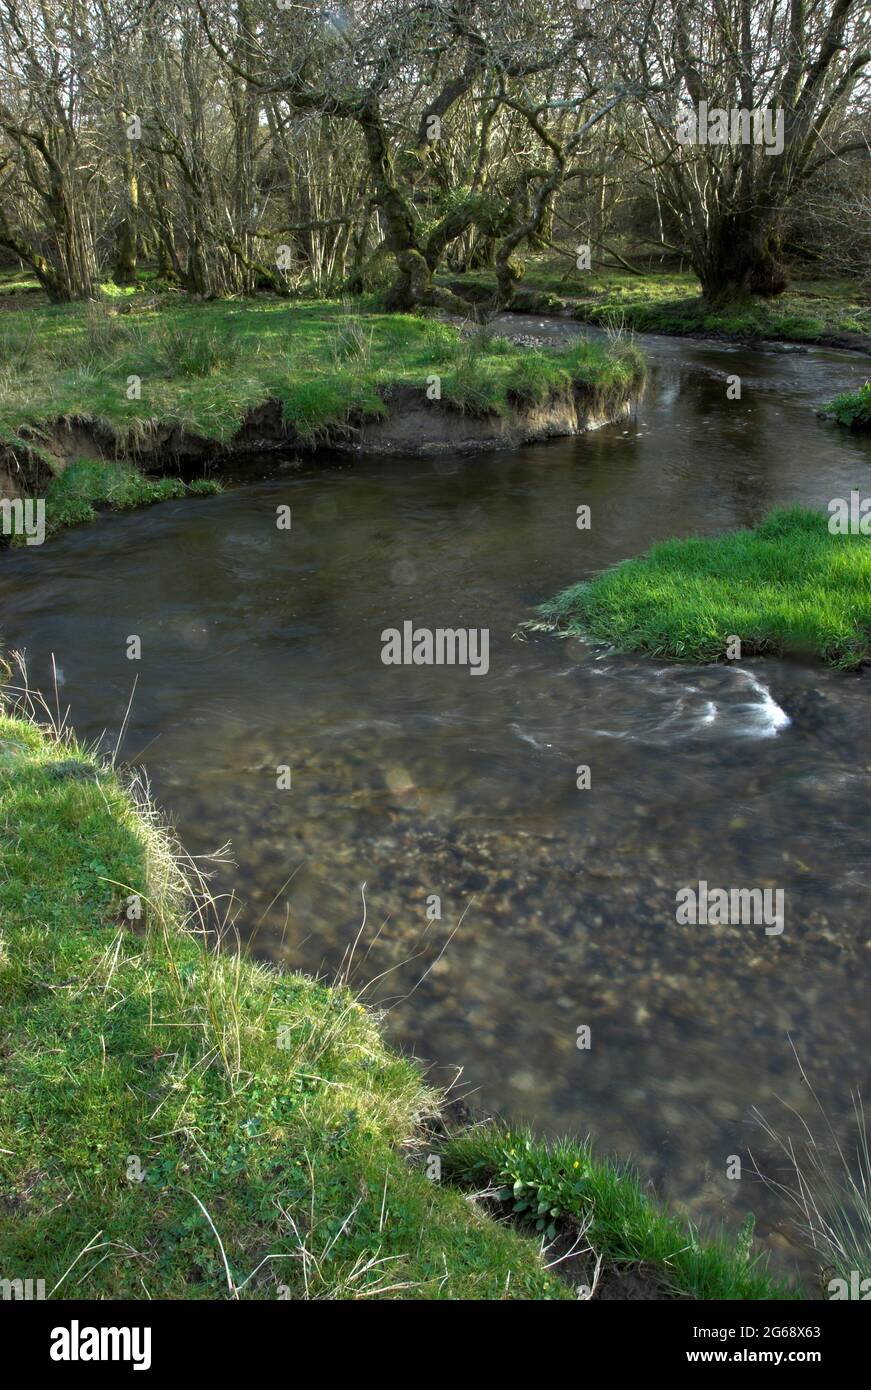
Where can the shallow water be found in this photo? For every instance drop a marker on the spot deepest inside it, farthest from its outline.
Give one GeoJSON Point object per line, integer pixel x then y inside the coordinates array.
{"type": "Point", "coordinates": [262, 648]}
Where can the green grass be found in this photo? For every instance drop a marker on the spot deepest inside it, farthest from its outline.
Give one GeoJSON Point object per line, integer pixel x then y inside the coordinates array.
{"type": "Point", "coordinates": [270, 1123]}
{"type": "Point", "coordinates": [14, 282]}
{"type": "Point", "coordinates": [75, 495]}
{"type": "Point", "coordinates": [788, 586]}
{"type": "Point", "coordinates": [269, 1100]}
{"type": "Point", "coordinates": [559, 1186]}
{"type": "Point", "coordinates": [669, 301]}
{"type": "Point", "coordinates": [852, 408]}
{"type": "Point", "coordinates": [203, 367]}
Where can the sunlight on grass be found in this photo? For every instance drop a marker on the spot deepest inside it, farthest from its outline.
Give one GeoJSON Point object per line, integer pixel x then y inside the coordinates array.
{"type": "Point", "coordinates": [669, 301]}
{"type": "Point", "coordinates": [560, 1185]}
{"type": "Point", "coordinates": [269, 1101]}
{"type": "Point", "coordinates": [205, 366]}
{"type": "Point", "coordinates": [787, 586]}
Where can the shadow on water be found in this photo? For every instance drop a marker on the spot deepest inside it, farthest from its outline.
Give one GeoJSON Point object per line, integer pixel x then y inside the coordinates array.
{"type": "Point", "coordinates": [262, 648]}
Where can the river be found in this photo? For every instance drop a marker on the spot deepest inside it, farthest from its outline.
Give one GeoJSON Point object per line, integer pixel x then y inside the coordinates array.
{"type": "Point", "coordinates": [261, 648]}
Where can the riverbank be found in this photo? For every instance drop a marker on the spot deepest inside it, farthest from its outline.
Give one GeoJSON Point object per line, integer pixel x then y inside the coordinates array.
{"type": "Point", "coordinates": [826, 311]}
{"type": "Point", "coordinates": [180, 1122]}
{"type": "Point", "coordinates": [787, 587]}
{"type": "Point", "coordinates": [176, 387]}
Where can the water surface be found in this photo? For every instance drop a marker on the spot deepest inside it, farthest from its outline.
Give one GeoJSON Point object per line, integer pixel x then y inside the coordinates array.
{"type": "Point", "coordinates": [261, 648]}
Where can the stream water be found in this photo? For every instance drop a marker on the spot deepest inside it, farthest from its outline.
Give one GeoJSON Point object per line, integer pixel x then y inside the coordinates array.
{"type": "Point", "coordinates": [262, 648]}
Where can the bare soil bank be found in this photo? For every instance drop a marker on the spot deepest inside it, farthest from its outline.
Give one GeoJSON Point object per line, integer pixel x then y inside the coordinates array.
{"type": "Point", "coordinates": [411, 425]}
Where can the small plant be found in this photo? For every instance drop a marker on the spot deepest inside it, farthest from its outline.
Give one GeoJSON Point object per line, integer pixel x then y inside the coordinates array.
{"type": "Point", "coordinates": [852, 408]}
{"type": "Point", "coordinates": [544, 1186]}
{"type": "Point", "coordinates": [560, 1187]}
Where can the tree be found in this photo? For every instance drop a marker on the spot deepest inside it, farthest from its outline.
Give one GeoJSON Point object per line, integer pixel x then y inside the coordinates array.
{"type": "Point", "coordinates": [48, 167]}
{"type": "Point", "coordinates": [803, 61]}
{"type": "Point", "coordinates": [402, 71]}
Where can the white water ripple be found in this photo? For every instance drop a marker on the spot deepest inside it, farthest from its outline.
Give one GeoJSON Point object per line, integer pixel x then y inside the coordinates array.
{"type": "Point", "coordinates": [667, 706]}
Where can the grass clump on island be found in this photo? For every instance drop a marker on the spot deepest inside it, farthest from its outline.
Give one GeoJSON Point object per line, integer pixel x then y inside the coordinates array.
{"type": "Point", "coordinates": [852, 408]}
{"type": "Point", "coordinates": [203, 367]}
{"type": "Point", "coordinates": [787, 586]}
{"type": "Point", "coordinates": [180, 1122]}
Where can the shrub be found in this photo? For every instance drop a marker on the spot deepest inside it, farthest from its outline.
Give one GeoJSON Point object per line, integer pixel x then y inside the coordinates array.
{"type": "Point", "coordinates": [852, 408]}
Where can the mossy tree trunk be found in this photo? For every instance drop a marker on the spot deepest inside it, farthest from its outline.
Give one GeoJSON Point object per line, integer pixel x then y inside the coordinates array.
{"type": "Point", "coordinates": [743, 259]}
{"type": "Point", "coordinates": [413, 285]}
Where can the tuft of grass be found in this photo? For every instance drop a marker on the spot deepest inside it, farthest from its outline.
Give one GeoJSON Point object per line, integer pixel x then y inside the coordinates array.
{"type": "Point", "coordinates": [198, 353]}
{"type": "Point", "coordinates": [205, 487]}
{"type": "Point", "coordinates": [609, 376]}
{"type": "Point", "coordinates": [788, 586]}
{"type": "Point", "coordinates": [74, 496]}
{"type": "Point", "coordinates": [535, 379]}
{"type": "Point", "coordinates": [177, 1121]}
{"type": "Point", "coordinates": [852, 408]}
{"type": "Point", "coordinates": [351, 340]}
{"type": "Point", "coordinates": [828, 1191]}
{"type": "Point", "coordinates": [560, 1187]}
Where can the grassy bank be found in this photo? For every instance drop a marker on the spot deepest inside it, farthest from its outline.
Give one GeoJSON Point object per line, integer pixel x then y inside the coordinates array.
{"type": "Point", "coordinates": [266, 1106]}
{"type": "Point", "coordinates": [563, 1187]}
{"type": "Point", "coordinates": [143, 364]}
{"type": "Point", "coordinates": [87, 486]}
{"type": "Point", "coordinates": [177, 1122]}
{"type": "Point", "coordinates": [788, 586]}
{"type": "Point", "coordinates": [814, 309]}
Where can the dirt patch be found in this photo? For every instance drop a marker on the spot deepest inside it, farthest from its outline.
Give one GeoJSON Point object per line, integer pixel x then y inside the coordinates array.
{"type": "Point", "coordinates": [611, 1283]}
{"type": "Point", "coordinates": [416, 425]}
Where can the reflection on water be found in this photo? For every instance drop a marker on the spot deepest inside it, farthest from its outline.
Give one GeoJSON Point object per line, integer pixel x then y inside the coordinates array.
{"type": "Point", "coordinates": [262, 648]}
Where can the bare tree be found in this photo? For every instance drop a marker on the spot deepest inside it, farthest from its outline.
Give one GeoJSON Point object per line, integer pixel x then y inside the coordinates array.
{"type": "Point", "coordinates": [49, 183]}
{"type": "Point", "coordinates": [401, 73]}
{"type": "Point", "coordinates": [806, 63]}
